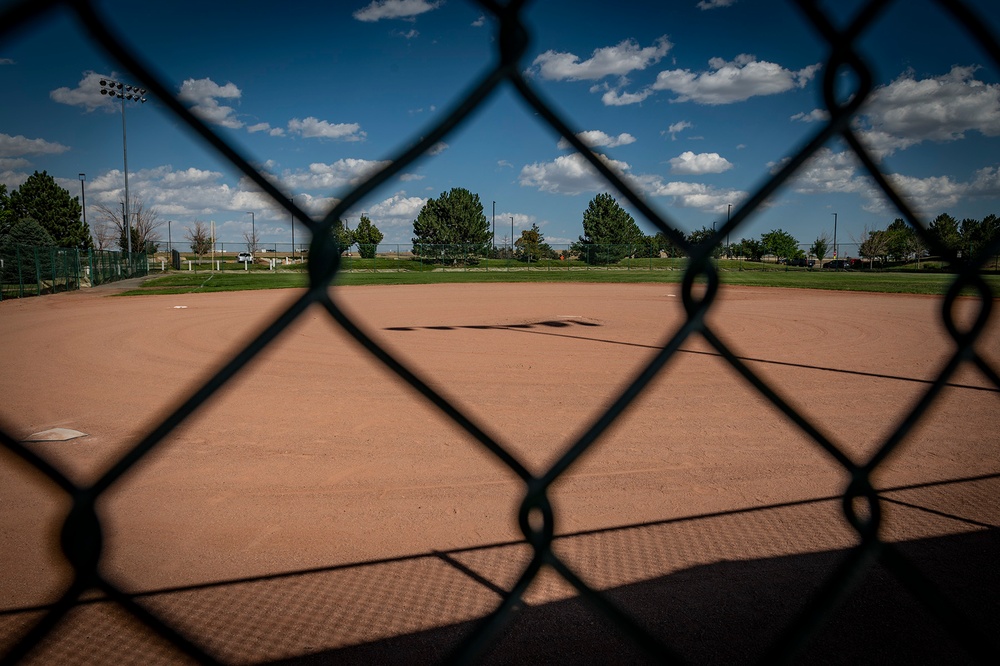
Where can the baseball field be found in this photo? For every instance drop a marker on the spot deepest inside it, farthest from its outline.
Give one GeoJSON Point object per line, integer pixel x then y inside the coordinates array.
{"type": "Point", "coordinates": [317, 509]}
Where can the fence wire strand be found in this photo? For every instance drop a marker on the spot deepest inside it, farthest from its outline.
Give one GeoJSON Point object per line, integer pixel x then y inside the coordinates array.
{"type": "Point", "coordinates": [82, 530]}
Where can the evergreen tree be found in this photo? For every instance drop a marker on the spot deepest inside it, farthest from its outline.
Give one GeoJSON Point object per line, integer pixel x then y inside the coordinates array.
{"type": "Point", "coordinates": [609, 232]}
{"type": "Point", "coordinates": [367, 236]}
{"type": "Point", "coordinates": [944, 231]}
{"type": "Point", "coordinates": [452, 227]}
{"type": "Point", "coordinates": [41, 199]}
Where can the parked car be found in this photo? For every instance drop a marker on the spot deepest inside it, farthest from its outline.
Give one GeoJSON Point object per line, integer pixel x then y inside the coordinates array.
{"type": "Point", "coordinates": [244, 257]}
{"type": "Point", "coordinates": [802, 261]}
{"type": "Point", "coordinates": [838, 263]}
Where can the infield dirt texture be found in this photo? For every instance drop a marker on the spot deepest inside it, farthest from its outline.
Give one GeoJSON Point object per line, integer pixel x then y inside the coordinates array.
{"type": "Point", "coordinates": [319, 506]}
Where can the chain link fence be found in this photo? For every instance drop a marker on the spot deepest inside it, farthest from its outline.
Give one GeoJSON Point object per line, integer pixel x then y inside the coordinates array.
{"type": "Point", "coordinates": [33, 271]}
{"type": "Point", "coordinates": [861, 503]}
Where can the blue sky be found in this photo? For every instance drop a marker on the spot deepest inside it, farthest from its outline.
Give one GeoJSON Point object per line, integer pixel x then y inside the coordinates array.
{"type": "Point", "coordinates": [695, 102]}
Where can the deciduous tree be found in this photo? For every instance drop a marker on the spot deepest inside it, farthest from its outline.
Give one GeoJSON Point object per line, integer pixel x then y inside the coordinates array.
{"type": "Point", "coordinates": [200, 237]}
{"type": "Point", "coordinates": [367, 236]}
{"type": "Point", "coordinates": [531, 245]}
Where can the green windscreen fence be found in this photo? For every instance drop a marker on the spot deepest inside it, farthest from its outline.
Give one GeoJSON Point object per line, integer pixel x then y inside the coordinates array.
{"type": "Point", "coordinates": [35, 271]}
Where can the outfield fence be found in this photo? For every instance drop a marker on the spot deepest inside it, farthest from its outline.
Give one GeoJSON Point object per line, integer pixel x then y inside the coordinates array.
{"type": "Point", "coordinates": [861, 501]}
{"type": "Point", "coordinates": [33, 271]}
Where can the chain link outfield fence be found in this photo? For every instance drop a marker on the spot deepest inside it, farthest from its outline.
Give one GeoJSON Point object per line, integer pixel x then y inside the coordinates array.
{"type": "Point", "coordinates": [861, 502]}
{"type": "Point", "coordinates": [33, 271]}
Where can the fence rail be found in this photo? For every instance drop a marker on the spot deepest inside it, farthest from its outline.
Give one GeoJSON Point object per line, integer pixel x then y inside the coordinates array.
{"type": "Point", "coordinates": [860, 503]}
{"type": "Point", "coordinates": [34, 271]}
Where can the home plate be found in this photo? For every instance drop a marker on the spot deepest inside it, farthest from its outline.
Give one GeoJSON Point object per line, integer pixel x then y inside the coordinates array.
{"type": "Point", "coordinates": [55, 435]}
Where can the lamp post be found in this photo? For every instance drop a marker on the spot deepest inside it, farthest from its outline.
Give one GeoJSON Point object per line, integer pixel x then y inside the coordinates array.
{"type": "Point", "coordinates": [494, 227]}
{"type": "Point", "coordinates": [170, 245]}
{"type": "Point", "coordinates": [124, 92]}
{"type": "Point", "coordinates": [729, 216]}
{"type": "Point", "coordinates": [511, 235]}
{"type": "Point", "coordinates": [834, 235]}
{"type": "Point", "coordinates": [83, 194]}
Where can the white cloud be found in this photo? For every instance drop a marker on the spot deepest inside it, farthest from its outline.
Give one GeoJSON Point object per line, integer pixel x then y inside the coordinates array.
{"type": "Point", "coordinates": [677, 128]}
{"type": "Point", "coordinates": [504, 164]}
{"type": "Point", "coordinates": [399, 210]}
{"type": "Point", "coordinates": [814, 116]}
{"type": "Point", "coordinates": [394, 9]}
{"type": "Point", "coordinates": [203, 95]}
{"type": "Point", "coordinates": [479, 22]}
{"type": "Point", "coordinates": [6, 61]}
{"type": "Point", "coordinates": [87, 93]}
{"type": "Point", "coordinates": [568, 174]}
{"type": "Point", "coordinates": [703, 197]}
{"type": "Point", "coordinates": [407, 177]}
{"type": "Point", "coordinates": [8, 164]}
{"type": "Point", "coordinates": [437, 148]}
{"type": "Point", "coordinates": [598, 139]}
{"type": "Point", "coordinates": [615, 60]}
{"type": "Point", "coordinates": [615, 98]}
{"type": "Point", "coordinates": [313, 128]}
{"type": "Point", "coordinates": [735, 81]}
{"type": "Point", "coordinates": [409, 34]}
{"type": "Point", "coordinates": [343, 172]}
{"type": "Point", "coordinates": [259, 127]}
{"type": "Point", "coordinates": [16, 146]}
{"type": "Point", "coordinates": [689, 163]}
{"type": "Point", "coordinates": [713, 4]}
{"type": "Point", "coordinates": [909, 111]}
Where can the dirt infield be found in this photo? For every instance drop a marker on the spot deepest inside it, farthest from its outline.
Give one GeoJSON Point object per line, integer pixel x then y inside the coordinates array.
{"type": "Point", "coordinates": [317, 506]}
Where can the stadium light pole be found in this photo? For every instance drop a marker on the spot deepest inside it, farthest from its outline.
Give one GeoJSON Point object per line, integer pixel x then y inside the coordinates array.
{"type": "Point", "coordinates": [83, 194]}
{"type": "Point", "coordinates": [729, 216]}
{"type": "Point", "coordinates": [124, 92]}
{"type": "Point", "coordinates": [494, 227]}
{"type": "Point", "coordinates": [834, 235]}
{"type": "Point", "coordinates": [512, 235]}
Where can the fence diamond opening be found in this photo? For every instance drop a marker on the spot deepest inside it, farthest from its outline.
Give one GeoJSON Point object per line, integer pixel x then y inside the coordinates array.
{"type": "Point", "coordinates": [861, 502]}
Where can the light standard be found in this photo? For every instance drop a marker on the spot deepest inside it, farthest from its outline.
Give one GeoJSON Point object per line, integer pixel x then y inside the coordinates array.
{"type": "Point", "coordinates": [511, 235]}
{"type": "Point", "coordinates": [729, 215]}
{"type": "Point", "coordinates": [834, 235]}
{"type": "Point", "coordinates": [83, 193]}
{"type": "Point", "coordinates": [494, 227]}
{"type": "Point", "coordinates": [130, 93]}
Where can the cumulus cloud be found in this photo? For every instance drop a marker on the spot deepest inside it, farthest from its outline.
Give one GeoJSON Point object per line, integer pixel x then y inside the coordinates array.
{"type": "Point", "coordinates": [909, 111]}
{"type": "Point", "coordinates": [394, 9]}
{"type": "Point", "coordinates": [677, 128]}
{"type": "Point", "coordinates": [203, 95]}
{"type": "Point", "coordinates": [713, 4]}
{"type": "Point", "coordinates": [689, 163]}
{"type": "Point", "coordinates": [598, 139]}
{"type": "Point", "coordinates": [17, 146]}
{"type": "Point", "coordinates": [617, 60]}
{"type": "Point", "coordinates": [702, 197]}
{"type": "Point", "coordinates": [615, 98]}
{"type": "Point", "coordinates": [399, 210]}
{"type": "Point", "coordinates": [321, 176]}
{"type": "Point", "coordinates": [314, 128]}
{"type": "Point", "coordinates": [733, 81]}
{"type": "Point", "coordinates": [87, 93]}
{"type": "Point", "coordinates": [479, 22]}
{"type": "Point", "coordinates": [814, 116]}
{"type": "Point", "coordinates": [568, 174]}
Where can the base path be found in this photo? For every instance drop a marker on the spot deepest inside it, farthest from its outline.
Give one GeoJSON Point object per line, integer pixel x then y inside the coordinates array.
{"type": "Point", "coordinates": [317, 505]}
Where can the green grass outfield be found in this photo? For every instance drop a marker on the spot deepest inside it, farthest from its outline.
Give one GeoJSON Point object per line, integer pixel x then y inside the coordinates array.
{"type": "Point", "coordinates": [890, 282]}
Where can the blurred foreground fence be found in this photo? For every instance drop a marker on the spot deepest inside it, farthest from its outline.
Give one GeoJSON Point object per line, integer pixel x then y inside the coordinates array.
{"type": "Point", "coordinates": [34, 271]}
{"type": "Point", "coordinates": [861, 502]}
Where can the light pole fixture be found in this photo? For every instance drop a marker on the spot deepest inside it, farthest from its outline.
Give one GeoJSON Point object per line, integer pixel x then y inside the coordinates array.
{"type": "Point", "coordinates": [126, 93]}
{"type": "Point", "coordinates": [83, 194]}
{"type": "Point", "coordinates": [512, 235]}
{"type": "Point", "coordinates": [494, 227]}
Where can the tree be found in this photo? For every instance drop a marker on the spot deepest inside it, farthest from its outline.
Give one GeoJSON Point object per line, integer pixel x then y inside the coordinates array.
{"type": "Point", "coordinates": [453, 227]}
{"type": "Point", "coordinates": [532, 245]}
{"type": "Point", "coordinates": [25, 231]}
{"type": "Point", "coordinates": [944, 232]}
{"type": "Point", "coordinates": [6, 213]}
{"type": "Point", "coordinates": [609, 232]}
{"type": "Point", "coordinates": [873, 244]}
{"type": "Point", "coordinates": [779, 243]}
{"type": "Point", "coordinates": [752, 249]}
{"type": "Point", "coordinates": [252, 239]}
{"type": "Point", "coordinates": [701, 236]}
{"type": "Point", "coordinates": [819, 247]}
{"type": "Point", "coordinates": [343, 236]}
{"type": "Point", "coordinates": [145, 225]}
{"type": "Point", "coordinates": [200, 237]}
{"type": "Point", "coordinates": [367, 236]}
{"type": "Point", "coordinates": [40, 198]}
